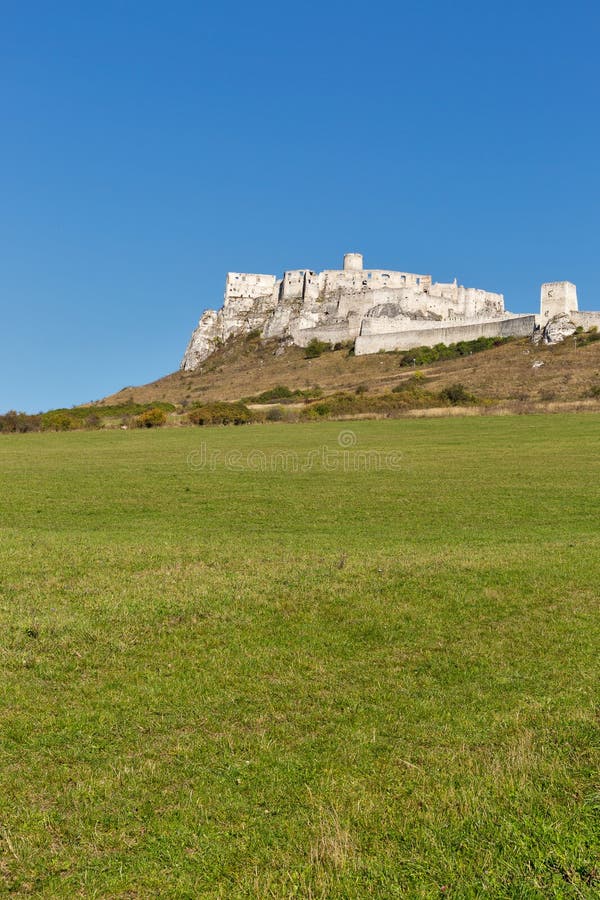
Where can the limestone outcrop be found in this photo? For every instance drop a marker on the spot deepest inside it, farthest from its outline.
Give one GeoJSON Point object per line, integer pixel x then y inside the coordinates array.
{"type": "Point", "coordinates": [555, 330]}
{"type": "Point", "coordinates": [204, 340]}
{"type": "Point", "coordinates": [376, 309]}
{"type": "Point", "coordinates": [237, 316]}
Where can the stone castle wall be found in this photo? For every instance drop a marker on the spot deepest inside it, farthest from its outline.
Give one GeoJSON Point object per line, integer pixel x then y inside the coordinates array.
{"type": "Point", "coordinates": [585, 319]}
{"type": "Point", "coordinates": [429, 336]}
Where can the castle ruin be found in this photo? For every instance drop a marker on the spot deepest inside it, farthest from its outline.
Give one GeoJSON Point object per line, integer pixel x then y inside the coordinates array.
{"type": "Point", "coordinates": [375, 309]}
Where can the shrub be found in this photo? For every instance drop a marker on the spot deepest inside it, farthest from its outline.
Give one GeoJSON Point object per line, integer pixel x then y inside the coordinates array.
{"type": "Point", "coordinates": [416, 381]}
{"type": "Point", "coordinates": [59, 420]}
{"type": "Point", "coordinates": [411, 394]}
{"type": "Point", "coordinates": [315, 348]}
{"type": "Point", "coordinates": [589, 337]}
{"type": "Point", "coordinates": [13, 422]}
{"type": "Point", "coordinates": [151, 418]}
{"type": "Point", "coordinates": [285, 395]}
{"type": "Point", "coordinates": [457, 395]}
{"type": "Point", "coordinates": [91, 416]}
{"type": "Point", "coordinates": [275, 414]}
{"type": "Point", "coordinates": [313, 393]}
{"type": "Point", "coordinates": [421, 356]}
{"type": "Point", "coordinates": [219, 413]}
{"type": "Point", "coordinates": [361, 388]}
{"type": "Point", "coordinates": [317, 411]}
{"type": "Point", "coordinates": [279, 392]}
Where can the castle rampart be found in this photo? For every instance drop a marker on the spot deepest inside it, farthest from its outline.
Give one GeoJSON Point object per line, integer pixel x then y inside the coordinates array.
{"type": "Point", "coordinates": [516, 326]}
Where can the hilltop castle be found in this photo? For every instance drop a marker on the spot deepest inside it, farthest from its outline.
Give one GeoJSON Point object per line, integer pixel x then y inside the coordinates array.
{"type": "Point", "coordinates": [377, 309]}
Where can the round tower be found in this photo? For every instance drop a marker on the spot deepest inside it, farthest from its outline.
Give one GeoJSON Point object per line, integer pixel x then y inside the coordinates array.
{"type": "Point", "coordinates": [353, 262]}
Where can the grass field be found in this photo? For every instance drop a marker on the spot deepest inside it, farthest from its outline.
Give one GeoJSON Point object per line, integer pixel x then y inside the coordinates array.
{"type": "Point", "coordinates": [229, 673]}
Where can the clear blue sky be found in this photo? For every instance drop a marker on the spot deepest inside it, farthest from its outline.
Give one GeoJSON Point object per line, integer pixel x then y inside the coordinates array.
{"type": "Point", "coordinates": [148, 147]}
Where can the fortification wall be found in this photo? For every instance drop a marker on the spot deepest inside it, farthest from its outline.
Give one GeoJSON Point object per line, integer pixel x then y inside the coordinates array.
{"type": "Point", "coordinates": [292, 285]}
{"type": "Point", "coordinates": [311, 286]}
{"type": "Point", "coordinates": [334, 280]}
{"type": "Point", "coordinates": [390, 324]}
{"type": "Point", "coordinates": [481, 303]}
{"type": "Point", "coordinates": [336, 333]}
{"type": "Point", "coordinates": [410, 302]}
{"type": "Point", "coordinates": [362, 301]}
{"type": "Point", "coordinates": [416, 304]}
{"type": "Point", "coordinates": [461, 301]}
{"type": "Point", "coordinates": [585, 319]}
{"type": "Point", "coordinates": [517, 326]}
{"type": "Point", "coordinates": [243, 285]}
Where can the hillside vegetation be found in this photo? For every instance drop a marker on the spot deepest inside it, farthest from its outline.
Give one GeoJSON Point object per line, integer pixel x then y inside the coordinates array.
{"type": "Point", "coordinates": [247, 367]}
{"type": "Point", "coordinates": [239, 384]}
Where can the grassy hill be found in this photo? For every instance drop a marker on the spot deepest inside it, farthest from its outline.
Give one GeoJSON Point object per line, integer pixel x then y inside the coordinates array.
{"type": "Point", "coordinates": [244, 367]}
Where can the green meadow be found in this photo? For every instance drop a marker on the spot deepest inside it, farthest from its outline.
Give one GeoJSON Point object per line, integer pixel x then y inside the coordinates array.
{"type": "Point", "coordinates": [321, 660]}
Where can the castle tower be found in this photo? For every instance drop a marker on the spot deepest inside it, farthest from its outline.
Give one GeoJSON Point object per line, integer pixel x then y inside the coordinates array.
{"type": "Point", "coordinates": [557, 298]}
{"type": "Point", "coordinates": [353, 262]}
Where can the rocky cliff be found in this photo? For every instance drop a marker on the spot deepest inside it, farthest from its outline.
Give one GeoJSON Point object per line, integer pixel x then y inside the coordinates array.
{"type": "Point", "coordinates": [215, 327]}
